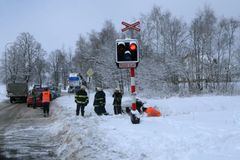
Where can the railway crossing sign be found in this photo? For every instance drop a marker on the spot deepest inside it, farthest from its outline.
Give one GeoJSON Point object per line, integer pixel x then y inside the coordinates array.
{"type": "Point", "coordinates": [131, 26]}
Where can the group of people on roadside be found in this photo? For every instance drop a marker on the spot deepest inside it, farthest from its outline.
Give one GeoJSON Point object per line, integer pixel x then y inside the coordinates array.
{"type": "Point", "coordinates": [82, 100]}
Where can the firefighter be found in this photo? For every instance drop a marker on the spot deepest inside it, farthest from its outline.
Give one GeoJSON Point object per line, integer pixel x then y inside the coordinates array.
{"type": "Point", "coordinates": [117, 101]}
{"type": "Point", "coordinates": [99, 102]}
{"type": "Point", "coordinates": [45, 98]}
{"type": "Point", "coordinates": [81, 98]}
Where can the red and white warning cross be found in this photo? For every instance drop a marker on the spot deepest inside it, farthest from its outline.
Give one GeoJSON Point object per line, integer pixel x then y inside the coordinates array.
{"type": "Point", "coordinates": [131, 26]}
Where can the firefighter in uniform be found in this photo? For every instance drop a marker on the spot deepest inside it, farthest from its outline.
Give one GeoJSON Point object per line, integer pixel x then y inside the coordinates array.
{"type": "Point", "coordinates": [117, 101]}
{"type": "Point", "coordinates": [46, 98]}
{"type": "Point", "coordinates": [99, 102]}
{"type": "Point", "coordinates": [81, 98]}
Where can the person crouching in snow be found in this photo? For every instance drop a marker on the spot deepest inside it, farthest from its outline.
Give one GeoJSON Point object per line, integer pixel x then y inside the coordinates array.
{"type": "Point", "coordinates": [81, 98]}
{"type": "Point", "coordinates": [151, 112]}
{"type": "Point", "coordinates": [139, 106]}
{"type": "Point", "coordinates": [117, 95]}
{"type": "Point", "coordinates": [99, 102]}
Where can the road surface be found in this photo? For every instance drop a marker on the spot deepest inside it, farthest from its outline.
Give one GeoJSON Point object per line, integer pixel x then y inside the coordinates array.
{"type": "Point", "coordinates": [24, 133]}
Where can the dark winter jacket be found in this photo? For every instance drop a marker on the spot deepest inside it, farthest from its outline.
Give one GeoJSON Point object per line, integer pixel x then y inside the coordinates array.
{"type": "Point", "coordinates": [139, 105]}
{"type": "Point", "coordinates": [34, 94]}
{"type": "Point", "coordinates": [117, 98]}
{"type": "Point", "coordinates": [81, 97]}
{"type": "Point", "coordinates": [99, 99]}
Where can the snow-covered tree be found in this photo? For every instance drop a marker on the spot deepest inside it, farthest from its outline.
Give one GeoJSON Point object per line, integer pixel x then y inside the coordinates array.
{"type": "Point", "coordinates": [22, 56]}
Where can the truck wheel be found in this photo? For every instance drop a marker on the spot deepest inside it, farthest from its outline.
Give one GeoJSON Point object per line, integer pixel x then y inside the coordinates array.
{"type": "Point", "coordinates": [11, 100]}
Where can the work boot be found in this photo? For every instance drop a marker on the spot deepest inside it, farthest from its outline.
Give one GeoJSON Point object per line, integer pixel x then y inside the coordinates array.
{"type": "Point", "coordinates": [82, 114]}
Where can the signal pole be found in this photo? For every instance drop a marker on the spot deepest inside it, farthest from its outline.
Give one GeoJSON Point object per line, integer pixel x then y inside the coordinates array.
{"type": "Point", "coordinates": [134, 118]}
{"type": "Point", "coordinates": [129, 46]}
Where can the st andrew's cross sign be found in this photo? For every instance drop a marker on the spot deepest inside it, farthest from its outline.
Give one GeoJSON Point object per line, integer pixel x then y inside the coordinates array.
{"type": "Point", "coordinates": [131, 26]}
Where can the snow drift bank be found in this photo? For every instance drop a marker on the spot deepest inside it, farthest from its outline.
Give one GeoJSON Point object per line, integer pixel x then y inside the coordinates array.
{"type": "Point", "coordinates": [2, 92]}
{"type": "Point", "coordinates": [190, 128]}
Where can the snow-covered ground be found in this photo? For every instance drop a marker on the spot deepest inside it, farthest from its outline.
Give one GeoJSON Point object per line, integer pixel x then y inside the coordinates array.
{"type": "Point", "coordinates": [2, 92]}
{"type": "Point", "coordinates": [193, 128]}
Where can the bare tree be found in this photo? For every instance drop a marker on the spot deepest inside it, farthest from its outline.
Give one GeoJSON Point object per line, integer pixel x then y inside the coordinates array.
{"type": "Point", "coordinates": [202, 35]}
{"type": "Point", "coordinates": [230, 26]}
{"type": "Point", "coordinates": [97, 53]}
{"type": "Point", "coordinates": [22, 56]}
{"type": "Point", "coordinates": [40, 69]}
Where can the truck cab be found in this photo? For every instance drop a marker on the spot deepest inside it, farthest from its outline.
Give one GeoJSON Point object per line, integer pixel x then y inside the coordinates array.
{"type": "Point", "coordinates": [74, 82]}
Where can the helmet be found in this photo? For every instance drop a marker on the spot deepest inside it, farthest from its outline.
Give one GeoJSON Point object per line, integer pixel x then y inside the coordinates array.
{"type": "Point", "coordinates": [98, 88]}
{"type": "Point", "coordinates": [83, 87]}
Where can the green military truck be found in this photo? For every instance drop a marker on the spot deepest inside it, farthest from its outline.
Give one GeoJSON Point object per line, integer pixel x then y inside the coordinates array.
{"type": "Point", "coordinates": [17, 92]}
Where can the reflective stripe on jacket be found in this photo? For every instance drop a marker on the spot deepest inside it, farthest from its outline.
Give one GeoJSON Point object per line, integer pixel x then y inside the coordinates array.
{"type": "Point", "coordinates": [99, 99]}
{"type": "Point", "coordinates": [45, 96]}
{"type": "Point", "coordinates": [81, 97]}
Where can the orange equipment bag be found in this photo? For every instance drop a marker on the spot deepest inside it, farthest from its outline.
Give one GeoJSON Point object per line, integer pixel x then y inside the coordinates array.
{"type": "Point", "coordinates": [152, 112]}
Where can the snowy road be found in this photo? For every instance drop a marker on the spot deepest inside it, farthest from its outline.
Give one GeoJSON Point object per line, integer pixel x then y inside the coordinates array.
{"type": "Point", "coordinates": [23, 134]}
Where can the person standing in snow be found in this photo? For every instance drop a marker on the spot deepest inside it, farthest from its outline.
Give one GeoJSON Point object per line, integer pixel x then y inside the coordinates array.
{"type": "Point", "coordinates": [81, 98]}
{"type": "Point", "coordinates": [45, 98]}
{"type": "Point", "coordinates": [34, 95]}
{"type": "Point", "coordinates": [99, 102]}
{"type": "Point", "coordinates": [117, 101]}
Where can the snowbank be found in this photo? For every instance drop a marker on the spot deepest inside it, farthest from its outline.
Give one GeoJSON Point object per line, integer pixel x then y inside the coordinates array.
{"type": "Point", "coordinates": [2, 92]}
{"type": "Point", "coordinates": [190, 128]}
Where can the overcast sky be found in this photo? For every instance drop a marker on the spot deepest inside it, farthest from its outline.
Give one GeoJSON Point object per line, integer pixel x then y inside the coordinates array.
{"type": "Point", "coordinates": [58, 23]}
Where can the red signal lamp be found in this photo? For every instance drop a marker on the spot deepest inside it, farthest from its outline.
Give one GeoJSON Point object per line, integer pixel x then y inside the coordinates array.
{"type": "Point", "coordinates": [133, 46]}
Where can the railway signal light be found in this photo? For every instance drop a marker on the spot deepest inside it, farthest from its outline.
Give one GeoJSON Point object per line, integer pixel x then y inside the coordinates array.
{"type": "Point", "coordinates": [127, 51]}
